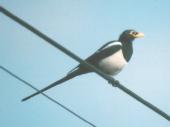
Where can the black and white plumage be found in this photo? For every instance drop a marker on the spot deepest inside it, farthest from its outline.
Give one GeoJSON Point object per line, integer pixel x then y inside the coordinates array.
{"type": "Point", "coordinates": [110, 58]}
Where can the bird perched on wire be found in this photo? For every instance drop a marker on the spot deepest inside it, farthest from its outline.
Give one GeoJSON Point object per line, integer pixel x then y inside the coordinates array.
{"type": "Point", "coordinates": [110, 58]}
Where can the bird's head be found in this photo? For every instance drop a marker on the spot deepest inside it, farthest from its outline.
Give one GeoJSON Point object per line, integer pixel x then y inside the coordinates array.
{"type": "Point", "coordinates": [130, 35]}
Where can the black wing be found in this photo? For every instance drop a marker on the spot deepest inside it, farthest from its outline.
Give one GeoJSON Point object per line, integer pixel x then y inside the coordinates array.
{"type": "Point", "coordinates": [105, 51]}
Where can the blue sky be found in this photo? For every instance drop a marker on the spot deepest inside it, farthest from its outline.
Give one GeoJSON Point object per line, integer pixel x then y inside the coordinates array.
{"type": "Point", "coordinates": [83, 26]}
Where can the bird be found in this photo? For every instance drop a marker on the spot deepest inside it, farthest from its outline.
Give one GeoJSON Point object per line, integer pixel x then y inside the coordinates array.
{"type": "Point", "coordinates": [110, 58]}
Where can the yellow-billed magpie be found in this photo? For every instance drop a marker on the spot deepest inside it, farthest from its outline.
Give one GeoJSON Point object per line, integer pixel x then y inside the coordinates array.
{"type": "Point", "coordinates": [110, 58]}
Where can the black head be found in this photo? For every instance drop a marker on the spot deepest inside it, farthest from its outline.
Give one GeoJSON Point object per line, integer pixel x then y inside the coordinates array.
{"type": "Point", "coordinates": [129, 35]}
{"type": "Point", "coordinates": [126, 39]}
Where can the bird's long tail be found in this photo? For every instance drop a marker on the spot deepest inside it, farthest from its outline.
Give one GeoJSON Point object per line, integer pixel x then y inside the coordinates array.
{"type": "Point", "coordinates": [66, 78]}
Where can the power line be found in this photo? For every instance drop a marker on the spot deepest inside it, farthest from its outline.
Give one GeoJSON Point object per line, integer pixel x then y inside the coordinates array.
{"type": "Point", "coordinates": [84, 63]}
{"type": "Point", "coordinates": [48, 97]}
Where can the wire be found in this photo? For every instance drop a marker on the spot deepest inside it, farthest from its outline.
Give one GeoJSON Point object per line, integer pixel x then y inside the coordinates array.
{"type": "Point", "coordinates": [48, 97]}
{"type": "Point", "coordinates": [84, 63]}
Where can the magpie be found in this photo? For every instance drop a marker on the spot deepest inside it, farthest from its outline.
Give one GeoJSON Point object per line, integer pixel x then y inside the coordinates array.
{"type": "Point", "coordinates": [110, 58]}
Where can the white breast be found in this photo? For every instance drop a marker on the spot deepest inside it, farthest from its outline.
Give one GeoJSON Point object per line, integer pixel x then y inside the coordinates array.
{"type": "Point", "coordinates": [113, 64]}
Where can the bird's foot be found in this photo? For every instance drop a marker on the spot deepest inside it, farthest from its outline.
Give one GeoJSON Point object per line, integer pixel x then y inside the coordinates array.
{"type": "Point", "coordinates": [114, 82]}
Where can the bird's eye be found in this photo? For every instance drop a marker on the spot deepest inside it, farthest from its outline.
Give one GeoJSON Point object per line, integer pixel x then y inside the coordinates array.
{"type": "Point", "coordinates": [134, 33]}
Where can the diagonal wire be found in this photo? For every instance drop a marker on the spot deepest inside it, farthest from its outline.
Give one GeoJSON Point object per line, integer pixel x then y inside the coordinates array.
{"type": "Point", "coordinates": [45, 95]}
{"type": "Point", "coordinates": [84, 63]}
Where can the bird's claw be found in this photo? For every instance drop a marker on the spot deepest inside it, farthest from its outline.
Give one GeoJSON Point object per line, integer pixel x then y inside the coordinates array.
{"type": "Point", "coordinates": [113, 82]}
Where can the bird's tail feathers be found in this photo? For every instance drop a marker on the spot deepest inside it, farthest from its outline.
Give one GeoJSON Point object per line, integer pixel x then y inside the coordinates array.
{"type": "Point", "coordinates": [73, 70]}
{"type": "Point", "coordinates": [69, 76]}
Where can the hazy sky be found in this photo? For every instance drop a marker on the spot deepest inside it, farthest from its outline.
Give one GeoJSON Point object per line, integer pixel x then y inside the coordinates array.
{"type": "Point", "coordinates": [83, 26]}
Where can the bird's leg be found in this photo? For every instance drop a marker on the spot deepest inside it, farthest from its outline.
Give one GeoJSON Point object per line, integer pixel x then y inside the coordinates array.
{"type": "Point", "coordinates": [113, 82]}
